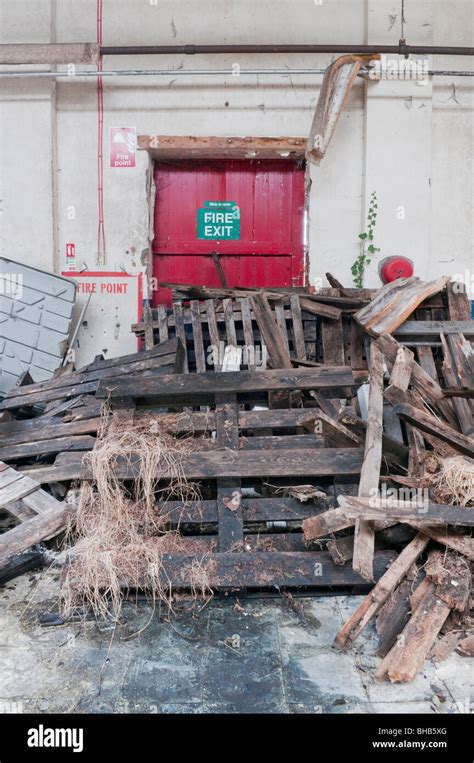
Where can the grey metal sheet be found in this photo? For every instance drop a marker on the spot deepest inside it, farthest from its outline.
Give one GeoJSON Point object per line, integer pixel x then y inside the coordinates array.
{"type": "Point", "coordinates": [35, 317]}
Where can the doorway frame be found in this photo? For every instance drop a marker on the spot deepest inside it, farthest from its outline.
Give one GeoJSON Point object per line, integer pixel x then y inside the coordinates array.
{"type": "Point", "coordinates": [172, 148]}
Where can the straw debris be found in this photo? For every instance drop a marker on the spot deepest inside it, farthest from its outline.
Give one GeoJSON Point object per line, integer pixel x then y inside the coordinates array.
{"type": "Point", "coordinates": [121, 532]}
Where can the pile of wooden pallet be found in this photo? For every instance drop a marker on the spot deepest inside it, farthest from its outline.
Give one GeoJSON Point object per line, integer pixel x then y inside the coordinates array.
{"type": "Point", "coordinates": [363, 393]}
{"type": "Point", "coordinates": [303, 329]}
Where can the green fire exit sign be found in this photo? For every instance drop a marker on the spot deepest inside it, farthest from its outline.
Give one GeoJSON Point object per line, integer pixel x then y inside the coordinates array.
{"type": "Point", "coordinates": [218, 221]}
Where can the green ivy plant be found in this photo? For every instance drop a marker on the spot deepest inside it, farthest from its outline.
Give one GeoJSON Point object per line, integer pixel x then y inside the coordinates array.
{"type": "Point", "coordinates": [367, 246]}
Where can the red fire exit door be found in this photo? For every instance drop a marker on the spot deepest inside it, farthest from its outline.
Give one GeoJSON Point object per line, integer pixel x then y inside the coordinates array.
{"type": "Point", "coordinates": [251, 213]}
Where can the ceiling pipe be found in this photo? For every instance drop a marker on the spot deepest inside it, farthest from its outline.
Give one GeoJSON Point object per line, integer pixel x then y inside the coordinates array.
{"type": "Point", "coordinates": [401, 49]}
{"type": "Point", "coordinates": [78, 75]}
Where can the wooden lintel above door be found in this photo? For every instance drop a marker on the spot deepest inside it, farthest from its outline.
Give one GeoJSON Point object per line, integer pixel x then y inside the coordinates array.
{"type": "Point", "coordinates": [182, 147]}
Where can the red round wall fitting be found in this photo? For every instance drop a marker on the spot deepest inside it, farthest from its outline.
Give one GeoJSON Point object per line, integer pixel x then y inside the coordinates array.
{"type": "Point", "coordinates": [395, 267]}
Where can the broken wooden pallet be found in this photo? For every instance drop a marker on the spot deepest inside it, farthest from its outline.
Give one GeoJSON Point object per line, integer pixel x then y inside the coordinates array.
{"type": "Point", "coordinates": [41, 516]}
{"type": "Point", "coordinates": [163, 357]}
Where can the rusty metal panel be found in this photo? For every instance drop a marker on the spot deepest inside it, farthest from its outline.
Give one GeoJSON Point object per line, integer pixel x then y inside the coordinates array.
{"type": "Point", "coordinates": [269, 195]}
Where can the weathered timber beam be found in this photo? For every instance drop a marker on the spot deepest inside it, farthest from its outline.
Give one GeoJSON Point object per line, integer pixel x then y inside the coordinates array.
{"type": "Point", "coordinates": [187, 386]}
{"type": "Point", "coordinates": [213, 464]}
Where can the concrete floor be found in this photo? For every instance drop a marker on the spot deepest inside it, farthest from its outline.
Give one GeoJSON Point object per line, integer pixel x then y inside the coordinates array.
{"type": "Point", "coordinates": [254, 655]}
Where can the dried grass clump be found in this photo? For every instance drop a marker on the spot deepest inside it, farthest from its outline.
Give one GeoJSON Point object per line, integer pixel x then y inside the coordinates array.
{"type": "Point", "coordinates": [120, 536]}
{"type": "Point", "coordinates": [454, 482]}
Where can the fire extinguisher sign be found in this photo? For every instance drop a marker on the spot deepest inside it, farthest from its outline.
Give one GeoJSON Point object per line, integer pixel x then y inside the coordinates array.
{"type": "Point", "coordinates": [71, 256]}
{"type": "Point", "coordinates": [123, 146]}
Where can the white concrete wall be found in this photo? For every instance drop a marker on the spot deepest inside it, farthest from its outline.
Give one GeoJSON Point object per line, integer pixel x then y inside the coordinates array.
{"type": "Point", "coordinates": [410, 143]}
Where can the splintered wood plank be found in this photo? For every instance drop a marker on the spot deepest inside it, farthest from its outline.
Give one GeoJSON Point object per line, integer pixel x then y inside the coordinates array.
{"type": "Point", "coordinates": [17, 489]}
{"type": "Point", "coordinates": [165, 348]}
{"type": "Point", "coordinates": [406, 511]}
{"type": "Point", "coordinates": [333, 342]}
{"type": "Point", "coordinates": [212, 322]}
{"type": "Point", "coordinates": [298, 333]}
{"type": "Point", "coordinates": [220, 270]}
{"type": "Point", "coordinates": [42, 447]}
{"type": "Point", "coordinates": [248, 332]}
{"type": "Point", "coordinates": [310, 329]}
{"type": "Point", "coordinates": [451, 377]}
{"type": "Point", "coordinates": [39, 501]}
{"type": "Point", "coordinates": [39, 528]}
{"type": "Point", "coordinates": [149, 332]}
{"type": "Point", "coordinates": [462, 353]}
{"type": "Point", "coordinates": [81, 383]}
{"type": "Point", "coordinates": [325, 524]}
{"type": "Point", "coordinates": [279, 442]}
{"type": "Point", "coordinates": [228, 305]}
{"type": "Point", "coordinates": [409, 652]}
{"type": "Point", "coordinates": [394, 302]}
{"type": "Point", "coordinates": [427, 331]}
{"type": "Point", "coordinates": [174, 386]}
{"type": "Point", "coordinates": [400, 377]}
{"type": "Point", "coordinates": [197, 337]}
{"type": "Point", "coordinates": [421, 381]}
{"type": "Point", "coordinates": [346, 336]}
{"type": "Point", "coordinates": [335, 433]}
{"type": "Point", "coordinates": [463, 357]}
{"type": "Point", "coordinates": [276, 419]}
{"type": "Point", "coordinates": [364, 536]}
{"type": "Point", "coordinates": [20, 564]}
{"type": "Point", "coordinates": [181, 332]}
{"type": "Point", "coordinates": [464, 544]}
{"type": "Point", "coordinates": [311, 305]}
{"type": "Point", "coordinates": [458, 301]}
{"type": "Point", "coordinates": [336, 284]}
{"type": "Point", "coordinates": [279, 463]}
{"type": "Point", "coordinates": [229, 496]}
{"type": "Point", "coordinates": [446, 587]}
{"type": "Point", "coordinates": [17, 432]}
{"type": "Point", "coordinates": [380, 593]}
{"type": "Point", "coordinates": [213, 330]}
{"type": "Point", "coordinates": [357, 345]}
{"type": "Point", "coordinates": [162, 323]}
{"type": "Point", "coordinates": [393, 616]}
{"type": "Point", "coordinates": [8, 476]}
{"type": "Point", "coordinates": [467, 392]}
{"type": "Point", "coordinates": [402, 369]}
{"type": "Point", "coordinates": [247, 322]}
{"type": "Point", "coordinates": [253, 510]}
{"type": "Point", "coordinates": [269, 331]}
{"type": "Point", "coordinates": [264, 569]}
{"type": "Point", "coordinates": [185, 422]}
{"type": "Point", "coordinates": [416, 458]}
{"type": "Point", "coordinates": [281, 322]}
{"type": "Point", "coordinates": [48, 395]}
{"type": "Point", "coordinates": [426, 361]}
{"type": "Point", "coordinates": [430, 424]}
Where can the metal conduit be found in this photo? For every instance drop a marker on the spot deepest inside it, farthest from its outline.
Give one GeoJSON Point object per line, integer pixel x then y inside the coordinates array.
{"type": "Point", "coordinates": [401, 49]}
{"type": "Point", "coordinates": [205, 72]}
